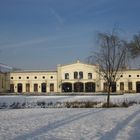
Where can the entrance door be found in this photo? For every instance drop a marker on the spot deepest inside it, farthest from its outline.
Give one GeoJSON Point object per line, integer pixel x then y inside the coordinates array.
{"type": "Point", "coordinates": [43, 87]}
{"type": "Point", "coordinates": [90, 87]}
{"type": "Point", "coordinates": [78, 87]}
{"type": "Point", "coordinates": [138, 87]}
{"type": "Point", "coordinates": [113, 87]}
{"type": "Point", "coordinates": [19, 88]}
{"type": "Point", "coordinates": [66, 87]}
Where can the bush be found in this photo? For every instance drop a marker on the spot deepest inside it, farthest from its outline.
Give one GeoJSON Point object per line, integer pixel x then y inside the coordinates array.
{"type": "Point", "coordinates": [41, 104]}
{"type": "Point", "coordinates": [81, 104]}
{"type": "Point", "coordinates": [104, 105]}
{"type": "Point", "coordinates": [16, 105]}
{"type": "Point", "coordinates": [3, 106]}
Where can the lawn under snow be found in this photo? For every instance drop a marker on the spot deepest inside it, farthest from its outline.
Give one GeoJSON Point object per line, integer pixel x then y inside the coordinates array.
{"type": "Point", "coordinates": [54, 99]}
{"type": "Point", "coordinates": [72, 123]}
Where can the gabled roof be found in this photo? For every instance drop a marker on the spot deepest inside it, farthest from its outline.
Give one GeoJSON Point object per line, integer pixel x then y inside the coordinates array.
{"type": "Point", "coordinates": [77, 62]}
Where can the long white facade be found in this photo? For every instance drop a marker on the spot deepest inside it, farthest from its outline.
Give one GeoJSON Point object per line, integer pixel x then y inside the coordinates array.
{"type": "Point", "coordinates": [75, 77]}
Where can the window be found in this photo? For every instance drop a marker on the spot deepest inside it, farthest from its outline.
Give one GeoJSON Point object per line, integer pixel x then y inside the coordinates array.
{"type": "Point", "coordinates": [35, 87]}
{"type": "Point", "coordinates": [51, 87]}
{"type": "Point", "coordinates": [27, 87]}
{"type": "Point", "coordinates": [43, 77]}
{"type": "Point", "coordinates": [12, 78]}
{"type": "Point", "coordinates": [80, 75]}
{"type": "Point", "coordinates": [35, 77]}
{"type": "Point", "coordinates": [19, 77]}
{"type": "Point", "coordinates": [137, 75]}
{"type": "Point", "coordinates": [75, 75]}
{"type": "Point", "coordinates": [51, 77]}
{"type": "Point", "coordinates": [66, 75]}
{"type": "Point", "coordinates": [129, 75]}
{"type": "Point", "coordinates": [122, 86]}
{"type": "Point", "coordinates": [27, 77]}
{"type": "Point", "coordinates": [89, 75]}
{"type": "Point", "coordinates": [2, 82]}
{"type": "Point", "coordinates": [105, 86]}
{"type": "Point", "coordinates": [105, 76]}
{"type": "Point", "coordinates": [129, 85]}
{"type": "Point", "coordinates": [12, 88]}
{"type": "Point", "coordinates": [121, 76]}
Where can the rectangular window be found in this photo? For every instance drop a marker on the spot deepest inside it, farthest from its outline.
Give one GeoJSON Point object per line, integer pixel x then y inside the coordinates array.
{"type": "Point", "coordinates": [51, 87]}
{"type": "Point", "coordinates": [35, 87]}
{"type": "Point", "coordinates": [12, 88]}
{"type": "Point", "coordinates": [105, 87]}
{"type": "Point", "coordinates": [89, 75]}
{"type": "Point", "coordinates": [130, 86]}
{"type": "Point", "coordinates": [2, 82]}
{"type": "Point", "coordinates": [27, 87]}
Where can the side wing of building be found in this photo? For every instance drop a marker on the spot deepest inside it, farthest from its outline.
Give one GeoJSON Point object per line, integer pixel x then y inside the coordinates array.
{"type": "Point", "coordinates": [33, 81]}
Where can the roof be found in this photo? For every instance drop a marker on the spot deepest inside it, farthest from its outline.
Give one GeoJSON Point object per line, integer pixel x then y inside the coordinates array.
{"type": "Point", "coordinates": [34, 71]}
{"type": "Point", "coordinates": [77, 61]}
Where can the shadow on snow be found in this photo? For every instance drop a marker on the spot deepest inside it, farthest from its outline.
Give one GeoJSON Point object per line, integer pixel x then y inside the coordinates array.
{"type": "Point", "coordinates": [111, 135]}
{"type": "Point", "coordinates": [56, 124]}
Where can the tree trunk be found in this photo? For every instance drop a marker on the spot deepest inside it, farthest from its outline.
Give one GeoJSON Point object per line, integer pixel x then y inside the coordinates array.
{"type": "Point", "coordinates": [108, 96]}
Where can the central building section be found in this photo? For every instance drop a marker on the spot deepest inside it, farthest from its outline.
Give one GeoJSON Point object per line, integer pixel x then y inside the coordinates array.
{"type": "Point", "coordinates": [77, 77]}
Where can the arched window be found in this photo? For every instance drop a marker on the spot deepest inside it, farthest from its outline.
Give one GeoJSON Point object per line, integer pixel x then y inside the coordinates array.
{"type": "Point", "coordinates": [75, 75]}
{"type": "Point", "coordinates": [66, 75]}
{"type": "Point", "coordinates": [80, 75]}
{"type": "Point", "coordinates": [89, 75]}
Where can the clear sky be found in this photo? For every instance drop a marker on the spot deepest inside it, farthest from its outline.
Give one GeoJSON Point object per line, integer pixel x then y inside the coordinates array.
{"type": "Point", "coordinates": [39, 34]}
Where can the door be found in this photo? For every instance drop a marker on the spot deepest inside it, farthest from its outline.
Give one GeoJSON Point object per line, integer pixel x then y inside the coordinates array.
{"type": "Point", "coordinates": [19, 86]}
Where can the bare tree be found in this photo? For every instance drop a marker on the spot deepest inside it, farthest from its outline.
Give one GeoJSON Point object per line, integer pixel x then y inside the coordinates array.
{"type": "Point", "coordinates": [111, 59]}
{"type": "Point", "coordinates": [134, 46]}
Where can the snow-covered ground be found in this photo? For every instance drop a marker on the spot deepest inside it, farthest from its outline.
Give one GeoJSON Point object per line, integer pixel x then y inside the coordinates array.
{"type": "Point", "coordinates": [70, 124]}
{"type": "Point", "coordinates": [54, 99]}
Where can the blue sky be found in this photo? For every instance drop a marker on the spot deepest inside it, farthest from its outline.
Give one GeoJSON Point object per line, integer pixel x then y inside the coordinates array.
{"type": "Point", "coordinates": [39, 34]}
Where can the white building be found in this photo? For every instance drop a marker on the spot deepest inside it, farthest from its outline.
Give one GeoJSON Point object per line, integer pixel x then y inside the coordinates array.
{"type": "Point", "coordinates": [76, 77]}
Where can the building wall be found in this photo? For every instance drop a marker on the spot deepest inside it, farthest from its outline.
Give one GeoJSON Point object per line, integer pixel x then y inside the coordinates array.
{"type": "Point", "coordinates": [4, 82]}
{"type": "Point", "coordinates": [57, 81]}
{"type": "Point", "coordinates": [129, 76]}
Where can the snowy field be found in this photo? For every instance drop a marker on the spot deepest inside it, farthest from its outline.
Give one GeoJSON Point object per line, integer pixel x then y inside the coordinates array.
{"type": "Point", "coordinates": [70, 124]}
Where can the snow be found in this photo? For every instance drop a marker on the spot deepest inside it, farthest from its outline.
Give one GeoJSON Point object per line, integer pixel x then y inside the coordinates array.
{"type": "Point", "coordinates": [33, 99]}
{"type": "Point", "coordinates": [70, 124]}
